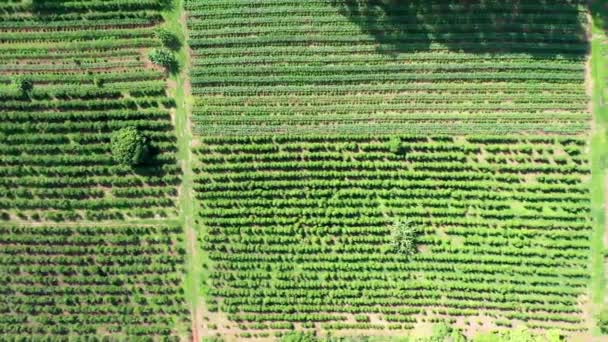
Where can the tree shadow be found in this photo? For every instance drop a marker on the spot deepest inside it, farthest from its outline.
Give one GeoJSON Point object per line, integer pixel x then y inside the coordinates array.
{"type": "Point", "coordinates": [48, 8]}
{"type": "Point", "coordinates": [599, 12]}
{"type": "Point", "coordinates": [471, 26]}
{"type": "Point", "coordinates": [56, 7]}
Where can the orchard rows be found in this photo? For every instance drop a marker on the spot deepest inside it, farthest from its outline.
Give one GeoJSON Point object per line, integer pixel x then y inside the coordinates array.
{"type": "Point", "coordinates": [86, 63]}
{"type": "Point", "coordinates": [297, 230]}
{"type": "Point", "coordinates": [88, 81]}
{"type": "Point", "coordinates": [324, 123]}
{"type": "Point", "coordinates": [355, 67]}
{"type": "Point", "coordinates": [90, 281]}
{"type": "Point", "coordinates": [319, 125]}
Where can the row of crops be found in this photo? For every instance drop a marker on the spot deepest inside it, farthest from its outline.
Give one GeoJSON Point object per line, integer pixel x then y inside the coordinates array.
{"type": "Point", "coordinates": [298, 231]}
{"type": "Point", "coordinates": [323, 125]}
{"type": "Point", "coordinates": [88, 76]}
{"type": "Point", "coordinates": [377, 67]}
{"type": "Point", "coordinates": [90, 281]}
{"type": "Point", "coordinates": [72, 74]}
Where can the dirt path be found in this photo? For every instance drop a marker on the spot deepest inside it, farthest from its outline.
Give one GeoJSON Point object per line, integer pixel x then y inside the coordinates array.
{"type": "Point", "coordinates": [175, 21]}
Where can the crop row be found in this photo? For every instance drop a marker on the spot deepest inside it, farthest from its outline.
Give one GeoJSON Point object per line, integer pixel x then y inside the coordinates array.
{"type": "Point", "coordinates": [85, 280]}
{"type": "Point", "coordinates": [297, 229]}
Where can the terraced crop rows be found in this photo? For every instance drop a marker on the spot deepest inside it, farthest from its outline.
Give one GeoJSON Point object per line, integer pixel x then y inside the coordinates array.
{"type": "Point", "coordinates": [90, 75]}
{"type": "Point", "coordinates": [298, 230]}
{"type": "Point", "coordinates": [310, 67]}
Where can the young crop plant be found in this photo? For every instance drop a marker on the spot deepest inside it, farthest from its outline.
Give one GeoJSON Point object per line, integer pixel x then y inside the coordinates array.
{"type": "Point", "coordinates": [24, 85]}
{"type": "Point", "coordinates": [602, 321]}
{"type": "Point", "coordinates": [394, 145]}
{"type": "Point", "coordinates": [403, 237]}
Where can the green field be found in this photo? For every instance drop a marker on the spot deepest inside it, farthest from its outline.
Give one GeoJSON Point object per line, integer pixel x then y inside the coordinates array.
{"type": "Point", "coordinates": [90, 78]}
{"type": "Point", "coordinates": [297, 224]}
{"type": "Point", "coordinates": [88, 248]}
{"type": "Point", "coordinates": [342, 168]}
{"type": "Point", "coordinates": [362, 66]}
{"type": "Point", "coordinates": [298, 230]}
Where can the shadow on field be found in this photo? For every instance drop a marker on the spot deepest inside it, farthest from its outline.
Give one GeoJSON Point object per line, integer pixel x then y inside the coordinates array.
{"type": "Point", "coordinates": [599, 11]}
{"type": "Point", "coordinates": [58, 7]}
{"type": "Point", "coordinates": [43, 7]}
{"type": "Point", "coordinates": [471, 25]}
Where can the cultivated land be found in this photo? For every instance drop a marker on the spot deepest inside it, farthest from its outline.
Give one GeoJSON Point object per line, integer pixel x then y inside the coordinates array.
{"type": "Point", "coordinates": [312, 67]}
{"type": "Point", "coordinates": [298, 230]}
{"type": "Point", "coordinates": [297, 225]}
{"type": "Point", "coordinates": [89, 69]}
{"type": "Point", "coordinates": [290, 141]}
{"type": "Point", "coordinates": [88, 247]}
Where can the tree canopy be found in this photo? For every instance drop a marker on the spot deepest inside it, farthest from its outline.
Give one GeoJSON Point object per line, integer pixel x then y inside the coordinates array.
{"type": "Point", "coordinates": [129, 146]}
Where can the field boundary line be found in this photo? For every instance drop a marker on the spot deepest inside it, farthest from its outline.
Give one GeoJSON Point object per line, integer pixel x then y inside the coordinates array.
{"type": "Point", "coordinates": [598, 174]}
{"type": "Point", "coordinates": [175, 22]}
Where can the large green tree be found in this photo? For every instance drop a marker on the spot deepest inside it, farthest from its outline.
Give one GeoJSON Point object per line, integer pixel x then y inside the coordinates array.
{"type": "Point", "coordinates": [129, 146]}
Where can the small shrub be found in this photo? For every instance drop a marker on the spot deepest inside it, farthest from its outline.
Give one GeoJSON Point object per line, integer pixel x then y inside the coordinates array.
{"type": "Point", "coordinates": [403, 237]}
{"type": "Point", "coordinates": [394, 145]}
{"type": "Point", "coordinates": [129, 147]}
{"type": "Point", "coordinates": [572, 150]}
{"type": "Point", "coordinates": [602, 321]}
{"type": "Point", "coordinates": [163, 57]}
{"type": "Point", "coordinates": [167, 38]}
{"type": "Point", "coordinates": [23, 84]}
{"type": "Point", "coordinates": [298, 336]}
{"type": "Point", "coordinates": [362, 318]}
{"type": "Point", "coordinates": [98, 82]}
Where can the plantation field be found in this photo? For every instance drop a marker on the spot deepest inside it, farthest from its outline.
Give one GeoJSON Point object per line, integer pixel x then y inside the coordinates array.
{"type": "Point", "coordinates": [90, 78]}
{"type": "Point", "coordinates": [113, 268]}
{"type": "Point", "coordinates": [237, 170]}
{"type": "Point", "coordinates": [323, 125]}
{"type": "Point", "coordinates": [330, 66]}
{"type": "Point", "coordinates": [122, 281]}
{"type": "Point", "coordinates": [297, 230]}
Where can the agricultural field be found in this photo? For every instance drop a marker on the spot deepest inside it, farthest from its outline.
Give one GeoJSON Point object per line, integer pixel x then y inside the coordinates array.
{"type": "Point", "coordinates": [330, 66]}
{"type": "Point", "coordinates": [89, 77]}
{"type": "Point", "coordinates": [260, 170]}
{"type": "Point", "coordinates": [89, 248]}
{"type": "Point", "coordinates": [298, 230]}
{"type": "Point", "coordinates": [324, 128]}
{"type": "Point", "coordinates": [90, 281]}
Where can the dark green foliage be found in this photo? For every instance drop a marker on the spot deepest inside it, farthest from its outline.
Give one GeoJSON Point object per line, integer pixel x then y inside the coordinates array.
{"type": "Point", "coordinates": [599, 12]}
{"type": "Point", "coordinates": [129, 147]}
{"type": "Point", "coordinates": [167, 38]}
{"type": "Point", "coordinates": [99, 82]}
{"type": "Point", "coordinates": [163, 57]}
{"type": "Point", "coordinates": [24, 84]}
{"type": "Point", "coordinates": [602, 321]}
